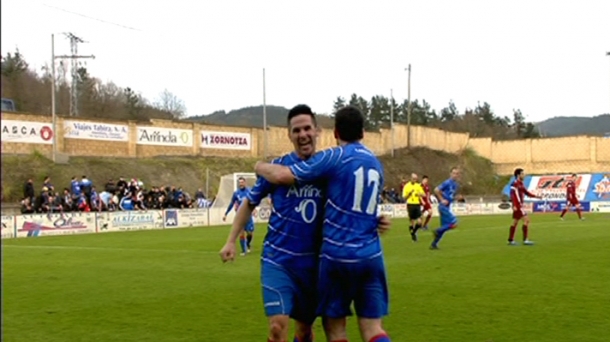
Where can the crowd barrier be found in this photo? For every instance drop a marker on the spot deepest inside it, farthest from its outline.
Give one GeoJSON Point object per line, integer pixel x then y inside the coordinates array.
{"type": "Point", "coordinates": [34, 225]}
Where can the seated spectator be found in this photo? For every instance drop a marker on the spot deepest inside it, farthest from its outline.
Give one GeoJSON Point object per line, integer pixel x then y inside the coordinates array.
{"type": "Point", "coordinates": [82, 204]}
{"type": "Point", "coordinates": [110, 186]}
{"type": "Point", "coordinates": [67, 202]}
{"type": "Point", "coordinates": [26, 206]}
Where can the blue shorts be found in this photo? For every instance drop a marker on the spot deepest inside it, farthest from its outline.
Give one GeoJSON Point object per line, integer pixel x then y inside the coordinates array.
{"type": "Point", "coordinates": [286, 292]}
{"type": "Point", "coordinates": [250, 226]}
{"type": "Point", "coordinates": [447, 217]}
{"type": "Point", "coordinates": [363, 283]}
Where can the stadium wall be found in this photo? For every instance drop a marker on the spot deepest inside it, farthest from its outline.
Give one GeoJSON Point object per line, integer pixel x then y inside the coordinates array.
{"type": "Point", "coordinates": [549, 155]}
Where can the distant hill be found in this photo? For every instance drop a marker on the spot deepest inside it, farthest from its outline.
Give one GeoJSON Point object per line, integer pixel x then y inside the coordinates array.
{"type": "Point", "coordinates": [253, 117]}
{"type": "Point", "coordinates": [566, 126]}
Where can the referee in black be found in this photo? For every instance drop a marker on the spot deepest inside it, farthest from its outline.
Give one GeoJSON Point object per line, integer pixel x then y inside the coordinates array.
{"type": "Point", "coordinates": [412, 193]}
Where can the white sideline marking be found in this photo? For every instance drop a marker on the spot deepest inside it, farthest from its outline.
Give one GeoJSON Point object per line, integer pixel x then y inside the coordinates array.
{"type": "Point", "coordinates": [108, 249]}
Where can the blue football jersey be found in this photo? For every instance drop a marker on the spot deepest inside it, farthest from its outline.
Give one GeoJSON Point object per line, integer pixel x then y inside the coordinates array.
{"type": "Point", "coordinates": [293, 235]}
{"type": "Point", "coordinates": [448, 189]}
{"type": "Point", "coordinates": [354, 179]}
{"type": "Point", "coordinates": [238, 197]}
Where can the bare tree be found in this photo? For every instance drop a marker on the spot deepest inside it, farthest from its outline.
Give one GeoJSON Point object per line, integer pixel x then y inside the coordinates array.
{"type": "Point", "coordinates": [170, 103]}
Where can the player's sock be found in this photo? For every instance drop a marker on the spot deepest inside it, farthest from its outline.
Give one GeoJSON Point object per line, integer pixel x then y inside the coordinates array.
{"type": "Point", "coordinates": [242, 243]}
{"type": "Point", "coordinates": [511, 234]}
{"type": "Point", "coordinates": [579, 213]}
{"type": "Point", "coordinates": [380, 338]}
{"type": "Point", "coordinates": [249, 240]}
{"type": "Point", "coordinates": [417, 226]}
{"type": "Point", "coordinates": [411, 229]}
{"type": "Point", "coordinates": [525, 232]}
{"type": "Point", "coordinates": [563, 212]}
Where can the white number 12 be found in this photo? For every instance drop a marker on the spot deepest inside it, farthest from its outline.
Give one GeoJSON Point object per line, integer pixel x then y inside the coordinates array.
{"type": "Point", "coordinates": [373, 179]}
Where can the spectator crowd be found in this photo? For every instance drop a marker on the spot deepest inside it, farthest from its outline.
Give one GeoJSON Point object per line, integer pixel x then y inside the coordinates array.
{"type": "Point", "coordinates": [122, 195]}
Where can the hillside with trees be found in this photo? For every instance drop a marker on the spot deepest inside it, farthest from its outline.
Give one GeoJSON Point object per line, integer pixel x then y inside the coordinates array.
{"type": "Point", "coordinates": [31, 91]}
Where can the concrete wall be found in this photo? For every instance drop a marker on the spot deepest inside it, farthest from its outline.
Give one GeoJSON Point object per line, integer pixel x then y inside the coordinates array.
{"type": "Point", "coordinates": [550, 155]}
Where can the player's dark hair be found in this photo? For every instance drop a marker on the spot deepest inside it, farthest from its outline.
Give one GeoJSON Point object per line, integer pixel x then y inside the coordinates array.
{"type": "Point", "coordinates": [241, 178]}
{"type": "Point", "coordinates": [301, 109]}
{"type": "Point", "coordinates": [518, 171]}
{"type": "Point", "coordinates": [349, 124]}
{"type": "Point", "coordinates": [424, 177]}
{"type": "Point", "coordinates": [573, 175]}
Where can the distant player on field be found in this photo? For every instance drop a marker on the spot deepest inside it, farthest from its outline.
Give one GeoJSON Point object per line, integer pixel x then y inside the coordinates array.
{"type": "Point", "coordinates": [426, 202]}
{"type": "Point", "coordinates": [413, 192]}
{"type": "Point", "coordinates": [351, 264]}
{"type": "Point", "coordinates": [445, 194]}
{"type": "Point", "coordinates": [517, 196]}
{"type": "Point", "coordinates": [245, 239]}
{"type": "Point", "coordinates": [571, 198]}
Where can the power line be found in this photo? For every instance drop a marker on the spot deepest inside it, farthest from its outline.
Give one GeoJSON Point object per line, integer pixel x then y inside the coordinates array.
{"type": "Point", "coordinates": [92, 18]}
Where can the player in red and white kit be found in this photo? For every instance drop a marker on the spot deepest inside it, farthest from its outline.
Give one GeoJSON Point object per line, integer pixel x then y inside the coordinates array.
{"type": "Point", "coordinates": [572, 199]}
{"type": "Point", "coordinates": [426, 202]}
{"type": "Point", "coordinates": [517, 195]}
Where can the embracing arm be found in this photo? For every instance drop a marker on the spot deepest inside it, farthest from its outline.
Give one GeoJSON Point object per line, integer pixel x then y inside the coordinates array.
{"type": "Point", "coordinates": [275, 173]}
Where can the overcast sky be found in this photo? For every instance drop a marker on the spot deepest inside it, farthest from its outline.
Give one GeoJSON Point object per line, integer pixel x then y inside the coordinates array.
{"type": "Point", "coordinates": [547, 58]}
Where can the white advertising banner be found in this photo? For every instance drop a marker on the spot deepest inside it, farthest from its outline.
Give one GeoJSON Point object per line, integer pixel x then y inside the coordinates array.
{"type": "Point", "coordinates": [33, 225]}
{"type": "Point", "coordinates": [95, 131]}
{"type": "Point", "coordinates": [226, 140]}
{"type": "Point", "coordinates": [8, 227]}
{"type": "Point", "coordinates": [28, 132]}
{"type": "Point", "coordinates": [165, 136]}
{"type": "Point", "coordinates": [129, 220]}
{"type": "Point", "coordinates": [400, 210]}
{"type": "Point", "coordinates": [600, 207]}
{"type": "Point", "coordinates": [386, 209]}
{"type": "Point", "coordinates": [459, 208]}
{"type": "Point", "coordinates": [184, 218]}
{"type": "Point", "coordinates": [553, 188]}
{"type": "Point", "coordinates": [262, 214]}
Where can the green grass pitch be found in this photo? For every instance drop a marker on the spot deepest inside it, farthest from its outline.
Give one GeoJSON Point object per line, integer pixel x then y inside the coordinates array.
{"type": "Point", "coordinates": [169, 285]}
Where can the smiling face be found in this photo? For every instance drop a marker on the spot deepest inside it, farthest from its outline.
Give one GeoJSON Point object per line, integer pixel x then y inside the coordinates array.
{"type": "Point", "coordinates": [303, 134]}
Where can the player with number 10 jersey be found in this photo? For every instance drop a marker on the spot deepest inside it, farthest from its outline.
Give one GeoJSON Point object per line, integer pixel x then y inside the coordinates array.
{"type": "Point", "coordinates": [351, 258]}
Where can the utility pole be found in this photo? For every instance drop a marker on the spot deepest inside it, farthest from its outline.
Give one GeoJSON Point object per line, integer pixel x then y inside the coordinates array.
{"type": "Point", "coordinates": [74, 94]}
{"type": "Point", "coordinates": [74, 41]}
{"type": "Point", "coordinates": [409, 108]}
{"type": "Point", "coordinates": [392, 120]}
{"type": "Point", "coordinates": [264, 117]}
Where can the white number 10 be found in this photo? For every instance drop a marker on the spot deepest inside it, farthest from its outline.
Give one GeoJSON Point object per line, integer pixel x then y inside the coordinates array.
{"type": "Point", "coordinates": [373, 179]}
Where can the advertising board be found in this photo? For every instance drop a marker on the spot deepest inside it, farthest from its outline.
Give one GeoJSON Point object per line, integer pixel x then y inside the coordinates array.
{"type": "Point", "coordinates": [8, 227]}
{"type": "Point", "coordinates": [555, 207]}
{"type": "Point", "coordinates": [95, 131]}
{"type": "Point", "coordinates": [226, 140]}
{"type": "Point", "coordinates": [600, 187]}
{"type": "Point", "coordinates": [28, 132]}
{"type": "Point", "coordinates": [553, 188]}
{"type": "Point", "coordinates": [165, 136]}
{"type": "Point", "coordinates": [129, 220]}
{"type": "Point", "coordinates": [262, 213]}
{"type": "Point", "coordinates": [600, 207]}
{"type": "Point", "coordinates": [400, 210]}
{"type": "Point", "coordinates": [386, 209]}
{"type": "Point", "coordinates": [183, 218]}
{"type": "Point", "coordinates": [459, 208]}
{"type": "Point", "coordinates": [33, 225]}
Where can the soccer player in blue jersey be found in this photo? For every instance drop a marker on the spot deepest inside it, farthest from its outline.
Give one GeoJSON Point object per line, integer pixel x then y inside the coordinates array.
{"type": "Point", "coordinates": [445, 194]}
{"type": "Point", "coordinates": [351, 259]}
{"type": "Point", "coordinates": [289, 260]}
{"type": "Point", "coordinates": [245, 238]}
